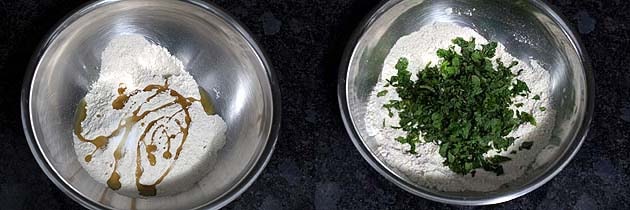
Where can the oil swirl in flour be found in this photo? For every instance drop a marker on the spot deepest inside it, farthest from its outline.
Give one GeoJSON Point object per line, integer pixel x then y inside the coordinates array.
{"type": "Point", "coordinates": [150, 130]}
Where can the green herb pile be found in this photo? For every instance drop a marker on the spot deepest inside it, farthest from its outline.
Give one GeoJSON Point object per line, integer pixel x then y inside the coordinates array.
{"type": "Point", "coordinates": [462, 104]}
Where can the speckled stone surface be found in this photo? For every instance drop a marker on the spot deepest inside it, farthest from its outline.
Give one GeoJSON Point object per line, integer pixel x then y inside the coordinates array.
{"type": "Point", "coordinates": [315, 165]}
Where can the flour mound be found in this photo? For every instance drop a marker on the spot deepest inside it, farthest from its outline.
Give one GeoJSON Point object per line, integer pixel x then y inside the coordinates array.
{"type": "Point", "coordinates": [129, 63]}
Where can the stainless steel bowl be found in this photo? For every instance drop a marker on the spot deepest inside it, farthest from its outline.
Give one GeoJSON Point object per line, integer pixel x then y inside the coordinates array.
{"type": "Point", "coordinates": [526, 28]}
{"type": "Point", "coordinates": [219, 53]}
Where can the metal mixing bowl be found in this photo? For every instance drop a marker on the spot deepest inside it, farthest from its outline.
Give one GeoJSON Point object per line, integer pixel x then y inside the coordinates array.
{"type": "Point", "coordinates": [528, 29]}
{"type": "Point", "coordinates": [219, 53]}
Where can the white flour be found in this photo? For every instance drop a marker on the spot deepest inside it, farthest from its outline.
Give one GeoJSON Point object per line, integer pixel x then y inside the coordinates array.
{"type": "Point", "coordinates": [133, 63]}
{"type": "Point", "coordinates": [426, 167]}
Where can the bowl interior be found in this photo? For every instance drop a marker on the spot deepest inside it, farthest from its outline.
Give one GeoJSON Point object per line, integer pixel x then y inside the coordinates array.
{"type": "Point", "coordinates": [214, 50]}
{"type": "Point", "coordinates": [528, 29]}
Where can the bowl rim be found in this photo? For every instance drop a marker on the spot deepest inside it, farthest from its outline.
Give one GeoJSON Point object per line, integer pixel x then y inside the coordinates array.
{"type": "Point", "coordinates": [384, 171]}
{"type": "Point", "coordinates": [232, 193]}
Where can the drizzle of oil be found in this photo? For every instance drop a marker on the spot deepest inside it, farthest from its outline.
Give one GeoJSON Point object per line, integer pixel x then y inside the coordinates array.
{"type": "Point", "coordinates": [121, 100]}
{"type": "Point", "coordinates": [150, 150]}
{"type": "Point", "coordinates": [101, 141]}
{"type": "Point", "coordinates": [80, 115]}
{"type": "Point", "coordinates": [206, 102]}
{"type": "Point", "coordinates": [184, 103]}
{"type": "Point", "coordinates": [167, 154]}
{"type": "Point", "coordinates": [114, 181]}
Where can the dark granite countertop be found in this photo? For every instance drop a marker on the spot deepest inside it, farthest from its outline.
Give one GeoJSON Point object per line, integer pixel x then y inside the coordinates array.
{"type": "Point", "coordinates": [315, 165]}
